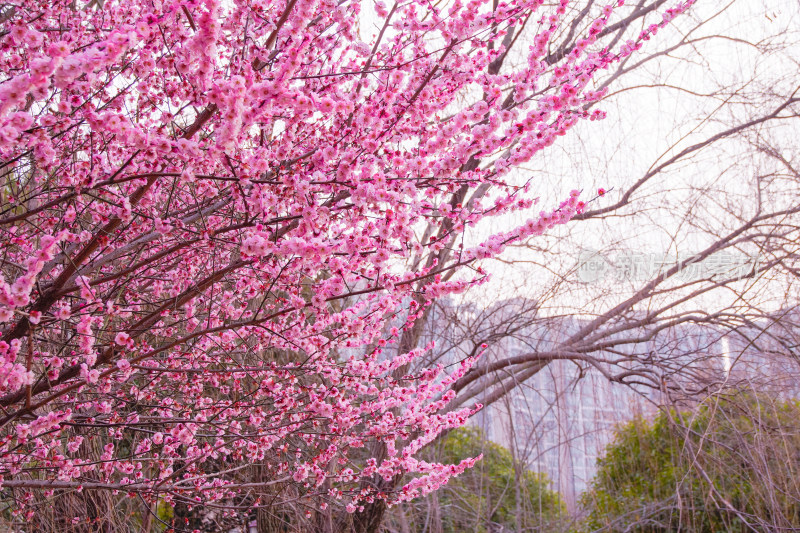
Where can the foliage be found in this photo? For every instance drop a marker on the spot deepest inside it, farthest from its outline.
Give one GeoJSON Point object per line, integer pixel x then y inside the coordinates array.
{"type": "Point", "coordinates": [485, 497]}
{"type": "Point", "coordinates": [728, 465]}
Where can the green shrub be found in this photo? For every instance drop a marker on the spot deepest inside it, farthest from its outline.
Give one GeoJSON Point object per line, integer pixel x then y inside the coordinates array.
{"type": "Point", "coordinates": [728, 465]}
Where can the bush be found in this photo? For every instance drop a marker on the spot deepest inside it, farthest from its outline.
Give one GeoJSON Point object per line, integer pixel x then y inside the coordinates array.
{"type": "Point", "coordinates": [728, 465]}
{"type": "Point", "coordinates": [484, 498]}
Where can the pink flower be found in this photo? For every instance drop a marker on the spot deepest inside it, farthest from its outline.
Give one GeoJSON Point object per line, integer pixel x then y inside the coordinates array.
{"type": "Point", "coordinates": [35, 317]}
{"type": "Point", "coordinates": [300, 474]}
{"type": "Point", "coordinates": [326, 105]}
{"type": "Point", "coordinates": [18, 33]}
{"type": "Point", "coordinates": [34, 38]}
{"type": "Point", "coordinates": [58, 49]}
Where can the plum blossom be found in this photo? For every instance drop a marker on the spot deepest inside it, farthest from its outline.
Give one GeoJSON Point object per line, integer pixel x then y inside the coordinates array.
{"type": "Point", "coordinates": [216, 239]}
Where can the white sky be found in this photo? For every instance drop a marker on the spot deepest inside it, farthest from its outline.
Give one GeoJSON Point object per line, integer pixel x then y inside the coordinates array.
{"type": "Point", "coordinates": [647, 123]}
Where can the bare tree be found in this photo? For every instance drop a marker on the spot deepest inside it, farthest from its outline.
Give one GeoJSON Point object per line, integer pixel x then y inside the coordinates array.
{"type": "Point", "coordinates": [680, 281]}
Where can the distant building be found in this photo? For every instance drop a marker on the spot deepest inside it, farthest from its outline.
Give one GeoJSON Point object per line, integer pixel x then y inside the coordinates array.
{"type": "Point", "coordinates": [560, 420]}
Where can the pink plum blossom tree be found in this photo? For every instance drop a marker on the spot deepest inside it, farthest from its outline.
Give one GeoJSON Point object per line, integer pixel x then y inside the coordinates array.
{"type": "Point", "coordinates": [209, 229]}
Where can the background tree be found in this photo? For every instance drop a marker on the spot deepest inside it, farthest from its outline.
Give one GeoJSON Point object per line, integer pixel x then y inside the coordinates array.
{"type": "Point", "coordinates": [498, 494]}
{"type": "Point", "coordinates": [684, 242]}
{"type": "Point", "coordinates": [728, 465]}
{"type": "Point", "coordinates": [694, 239]}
